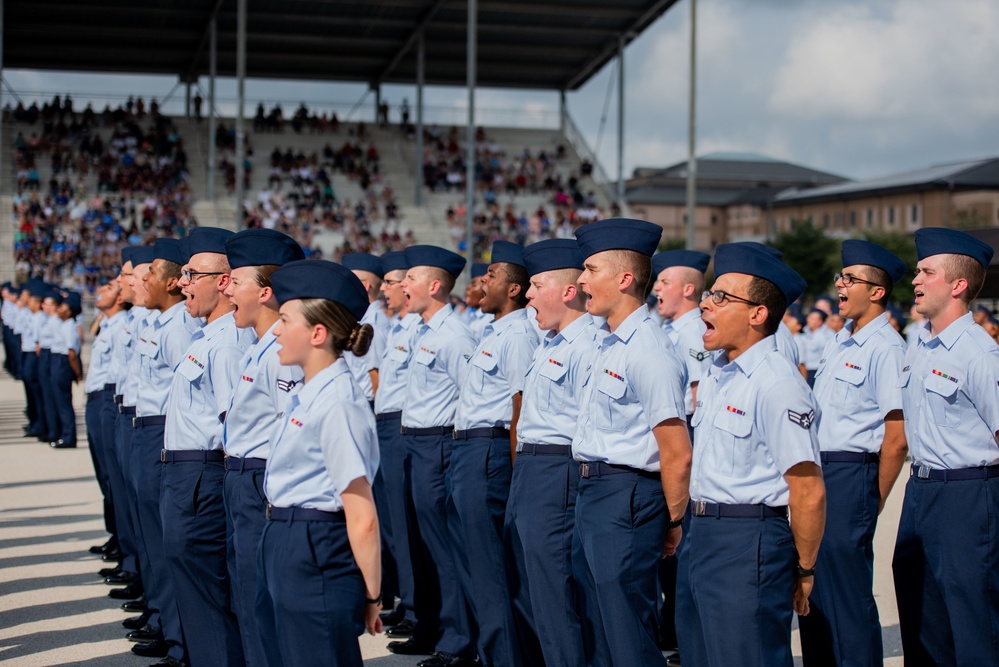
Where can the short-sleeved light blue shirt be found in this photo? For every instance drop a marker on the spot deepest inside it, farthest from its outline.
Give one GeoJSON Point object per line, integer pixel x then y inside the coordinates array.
{"type": "Point", "coordinates": [66, 337]}
{"type": "Point", "coordinates": [202, 386]}
{"type": "Point", "coordinates": [787, 345]}
{"type": "Point", "coordinates": [325, 441]}
{"type": "Point", "coordinates": [553, 388]}
{"type": "Point", "coordinates": [29, 332]}
{"type": "Point", "coordinates": [362, 366]}
{"type": "Point", "coordinates": [260, 399]}
{"type": "Point", "coordinates": [857, 385]}
{"type": "Point", "coordinates": [687, 335]}
{"type": "Point", "coordinates": [394, 369]}
{"type": "Point", "coordinates": [442, 348]}
{"type": "Point", "coordinates": [950, 396]}
{"type": "Point", "coordinates": [101, 353]}
{"type": "Point", "coordinates": [477, 321]}
{"type": "Point", "coordinates": [496, 372]}
{"type": "Point", "coordinates": [813, 343]}
{"type": "Point", "coordinates": [128, 386]}
{"type": "Point", "coordinates": [637, 382]}
{"type": "Point", "coordinates": [166, 341]}
{"type": "Point", "coordinates": [755, 420]}
{"type": "Point", "coordinates": [49, 330]}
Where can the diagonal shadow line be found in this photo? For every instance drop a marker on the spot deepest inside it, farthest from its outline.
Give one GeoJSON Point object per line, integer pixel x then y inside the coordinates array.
{"type": "Point", "coordinates": [49, 520]}
{"type": "Point", "coordinates": [52, 610]}
{"type": "Point", "coordinates": [85, 535]}
{"type": "Point", "coordinates": [49, 640]}
{"type": "Point", "coordinates": [61, 557]}
{"type": "Point", "coordinates": [37, 482]}
{"type": "Point", "coordinates": [41, 583]}
{"type": "Point", "coordinates": [34, 509]}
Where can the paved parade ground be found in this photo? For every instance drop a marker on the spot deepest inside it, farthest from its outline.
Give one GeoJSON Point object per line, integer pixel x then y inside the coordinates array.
{"type": "Point", "coordinates": [54, 609]}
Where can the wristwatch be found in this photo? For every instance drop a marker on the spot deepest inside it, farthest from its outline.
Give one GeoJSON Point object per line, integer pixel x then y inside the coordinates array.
{"type": "Point", "coordinates": [801, 572]}
{"type": "Point", "coordinates": [675, 523]}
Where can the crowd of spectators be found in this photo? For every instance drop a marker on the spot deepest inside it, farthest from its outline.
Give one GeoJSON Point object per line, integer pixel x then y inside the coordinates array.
{"type": "Point", "coordinates": [114, 178]}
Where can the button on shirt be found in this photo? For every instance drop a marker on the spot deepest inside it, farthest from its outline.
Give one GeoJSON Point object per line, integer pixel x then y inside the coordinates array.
{"type": "Point", "coordinates": [443, 346]}
{"type": "Point", "coordinates": [128, 385]}
{"type": "Point", "coordinates": [325, 441]}
{"type": "Point", "coordinates": [259, 399]}
{"type": "Point", "coordinates": [166, 341]}
{"type": "Point", "coordinates": [496, 372]}
{"type": "Point", "coordinates": [99, 368]}
{"type": "Point", "coordinates": [686, 333]}
{"type": "Point", "coordinates": [202, 386]}
{"type": "Point", "coordinates": [754, 421]}
{"type": "Point", "coordinates": [553, 388]}
{"type": "Point", "coordinates": [394, 370]}
{"type": "Point", "coordinates": [857, 384]}
{"type": "Point", "coordinates": [362, 366]}
{"type": "Point", "coordinates": [950, 396]}
{"type": "Point", "coordinates": [637, 382]}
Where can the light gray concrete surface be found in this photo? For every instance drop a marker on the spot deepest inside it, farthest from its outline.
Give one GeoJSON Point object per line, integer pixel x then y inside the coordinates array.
{"type": "Point", "coordinates": [54, 609]}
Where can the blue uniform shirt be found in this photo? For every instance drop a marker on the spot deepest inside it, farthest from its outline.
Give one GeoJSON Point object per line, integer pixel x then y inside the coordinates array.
{"type": "Point", "coordinates": [101, 353]}
{"type": "Point", "coordinates": [259, 399]}
{"type": "Point", "coordinates": [202, 386]}
{"type": "Point", "coordinates": [128, 386]}
{"type": "Point", "coordinates": [29, 332]}
{"type": "Point", "coordinates": [686, 333]}
{"type": "Point", "coordinates": [496, 372]}
{"type": "Point", "coordinates": [394, 369]}
{"type": "Point", "coordinates": [166, 341]}
{"type": "Point", "coordinates": [325, 441]}
{"type": "Point", "coordinates": [477, 321]}
{"type": "Point", "coordinates": [362, 366]}
{"type": "Point", "coordinates": [813, 343]}
{"type": "Point", "coordinates": [66, 337]}
{"type": "Point", "coordinates": [857, 384]}
{"type": "Point", "coordinates": [787, 345]}
{"type": "Point", "coordinates": [48, 330]}
{"type": "Point", "coordinates": [754, 421]}
{"type": "Point", "coordinates": [442, 347]}
{"type": "Point", "coordinates": [637, 382]}
{"type": "Point", "coordinates": [553, 388]}
{"type": "Point", "coordinates": [950, 396]}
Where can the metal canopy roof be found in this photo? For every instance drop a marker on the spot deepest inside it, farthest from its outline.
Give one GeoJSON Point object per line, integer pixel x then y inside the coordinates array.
{"type": "Point", "coordinates": [545, 44]}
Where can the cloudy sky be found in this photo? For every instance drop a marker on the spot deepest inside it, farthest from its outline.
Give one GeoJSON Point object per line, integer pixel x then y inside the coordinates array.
{"type": "Point", "coordinates": [860, 88]}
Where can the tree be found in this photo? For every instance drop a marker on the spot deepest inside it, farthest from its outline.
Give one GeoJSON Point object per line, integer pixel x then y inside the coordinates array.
{"type": "Point", "coordinates": [811, 253]}
{"type": "Point", "coordinates": [904, 246]}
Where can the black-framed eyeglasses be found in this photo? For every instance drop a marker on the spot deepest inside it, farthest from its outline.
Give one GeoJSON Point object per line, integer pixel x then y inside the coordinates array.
{"type": "Point", "coordinates": [391, 282]}
{"type": "Point", "coordinates": [194, 275]}
{"type": "Point", "coordinates": [848, 279]}
{"type": "Point", "coordinates": [718, 297]}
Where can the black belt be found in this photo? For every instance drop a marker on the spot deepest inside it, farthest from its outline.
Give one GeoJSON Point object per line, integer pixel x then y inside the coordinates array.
{"type": "Point", "coordinates": [94, 395]}
{"type": "Point", "coordinates": [304, 514]}
{"type": "Point", "coordinates": [600, 469]}
{"type": "Point", "coordinates": [385, 416]}
{"type": "Point", "coordinates": [959, 475]}
{"type": "Point", "coordinates": [484, 432]}
{"type": "Point", "coordinates": [531, 448]}
{"type": "Point", "coordinates": [432, 430]}
{"type": "Point", "coordinates": [127, 410]}
{"type": "Point", "coordinates": [155, 420]}
{"type": "Point", "coordinates": [850, 457]}
{"type": "Point", "coordinates": [109, 387]}
{"type": "Point", "coordinates": [118, 399]}
{"type": "Point", "coordinates": [248, 463]}
{"type": "Point", "coordinates": [189, 455]}
{"type": "Point", "coordinates": [700, 508]}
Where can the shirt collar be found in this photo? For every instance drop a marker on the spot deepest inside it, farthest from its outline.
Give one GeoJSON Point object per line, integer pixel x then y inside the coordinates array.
{"type": "Point", "coordinates": [572, 331]}
{"type": "Point", "coordinates": [266, 341]}
{"type": "Point", "coordinates": [408, 321]}
{"type": "Point", "coordinates": [685, 319]}
{"type": "Point", "coordinates": [505, 322]}
{"type": "Point", "coordinates": [438, 319]}
{"type": "Point", "coordinates": [311, 389]}
{"type": "Point", "coordinates": [949, 336]}
{"type": "Point", "coordinates": [117, 317]}
{"type": "Point", "coordinates": [866, 333]}
{"type": "Point", "coordinates": [169, 313]}
{"type": "Point", "coordinates": [218, 325]}
{"type": "Point", "coordinates": [749, 360]}
{"type": "Point", "coordinates": [629, 326]}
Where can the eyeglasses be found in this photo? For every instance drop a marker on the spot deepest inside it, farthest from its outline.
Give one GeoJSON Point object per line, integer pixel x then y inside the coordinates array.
{"type": "Point", "coordinates": [391, 282]}
{"type": "Point", "coordinates": [122, 273]}
{"type": "Point", "coordinates": [194, 275]}
{"type": "Point", "coordinates": [848, 280]}
{"type": "Point", "coordinates": [718, 297]}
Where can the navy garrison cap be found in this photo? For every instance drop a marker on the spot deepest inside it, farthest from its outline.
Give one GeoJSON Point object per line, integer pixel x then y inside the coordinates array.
{"type": "Point", "coordinates": [126, 254]}
{"type": "Point", "coordinates": [823, 314]}
{"type": "Point", "coordinates": [941, 241]}
{"type": "Point", "coordinates": [509, 253]}
{"type": "Point", "coordinates": [320, 279]}
{"type": "Point", "coordinates": [53, 294]}
{"type": "Point", "coordinates": [262, 247]}
{"type": "Point", "coordinates": [871, 254]}
{"type": "Point", "coordinates": [185, 249]}
{"type": "Point", "coordinates": [37, 288]}
{"type": "Point", "coordinates": [143, 254]}
{"type": "Point", "coordinates": [169, 250]}
{"type": "Point", "coordinates": [394, 261]}
{"type": "Point", "coordinates": [619, 234]}
{"type": "Point", "coordinates": [744, 258]}
{"type": "Point", "coordinates": [770, 250]}
{"type": "Point", "coordinates": [552, 254]}
{"type": "Point", "coordinates": [690, 258]}
{"type": "Point", "coordinates": [74, 302]}
{"type": "Point", "coordinates": [207, 239]}
{"type": "Point", "coordinates": [479, 269]}
{"type": "Point", "coordinates": [430, 255]}
{"type": "Point", "coordinates": [363, 261]}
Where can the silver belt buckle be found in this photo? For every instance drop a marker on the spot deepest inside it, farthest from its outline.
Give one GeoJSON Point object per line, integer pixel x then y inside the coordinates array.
{"type": "Point", "coordinates": [584, 470]}
{"type": "Point", "coordinates": [135, 422]}
{"type": "Point", "coordinates": [923, 472]}
{"type": "Point", "coordinates": [267, 513]}
{"type": "Point", "coordinates": [454, 433]}
{"type": "Point", "coordinates": [697, 507]}
{"type": "Point", "coordinates": [163, 456]}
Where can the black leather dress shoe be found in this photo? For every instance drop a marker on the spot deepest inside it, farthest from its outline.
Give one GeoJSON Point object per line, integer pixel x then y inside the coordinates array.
{"type": "Point", "coordinates": [392, 617]}
{"type": "Point", "coordinates": [146, 633]}
{"type": "Point", "coordinates": [119, 579]}
{"type": "Point", "coordinates": [154, 649]}
{"type": "Point", "coordinates": [109, 571]}
{"type": "Point", "coordinates": [97, 550]}
{"type": "Point", "coordinates": [673, 659]}
{"type": "Point", "coordinates": [130, 592]}
{"type": "Point", "coordinates": [411, 646]}
{"type": "Point", "coordinates": [403, 628]}
{"type": "Point", "coordinates": [111, 556]}
{"type": "Point", "coordinates": [62, 444]}
{"type": "Point", "coordinates": [447, 660]}
{"type": "Point", "coordinates": [168, 661]}
{"type": "Point", "coordinates": [134, 606]}
{"type": "Point", "coordinates": [136, 622]}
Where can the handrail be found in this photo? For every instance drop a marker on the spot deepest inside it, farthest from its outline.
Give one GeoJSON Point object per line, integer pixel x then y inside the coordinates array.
{"type": "Point", "coordinates": [598, 175]}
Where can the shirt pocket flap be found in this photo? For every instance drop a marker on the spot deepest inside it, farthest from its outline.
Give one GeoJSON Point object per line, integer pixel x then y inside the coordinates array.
{"type": "Point", "coordinates": [553, 370]}
{"type": "Point", "coordinates": [611, 385]}
{"type": "Point", "coordinates": [424, 357]}
{"type": "Point", "coordinates": [399, 354]}
{"type": "Point", "coordinates": [148, 348]}
{"type": "Point", "coordinates": [854, 376]}
{"type": "Point", "coordinates": [486, 361]}
{"type": "Point", "coordinates": [190, 370]}
{"type": "Point", "coordinates": [102, 345]}
{"type": "Point", "coordinates": [739, 425]}
{"type": "Point", "coordinates": [942, 384]}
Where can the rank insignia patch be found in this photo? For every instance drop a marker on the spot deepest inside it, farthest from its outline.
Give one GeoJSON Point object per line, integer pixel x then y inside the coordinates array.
{"type": "Point", "coordinates": [802, 419]}
{"type": "Point", "coordinates": [699, 355]}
